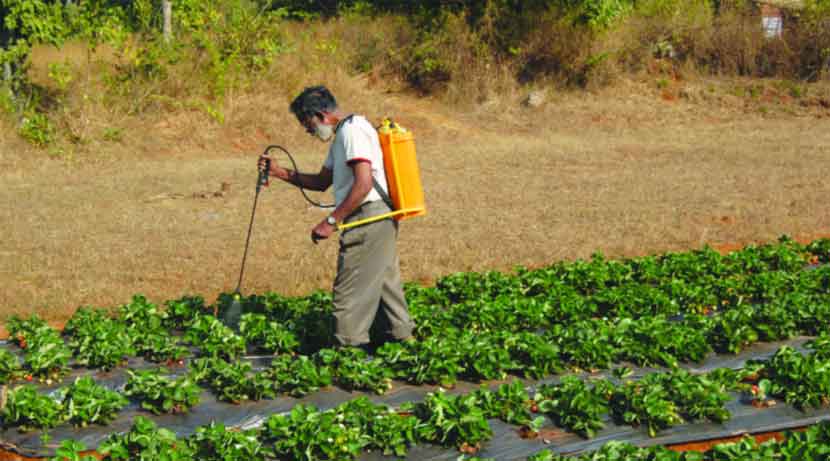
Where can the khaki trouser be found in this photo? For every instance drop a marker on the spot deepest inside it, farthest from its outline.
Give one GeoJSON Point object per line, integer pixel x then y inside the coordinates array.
{"type": "Point", "coordinates": [368, 281]}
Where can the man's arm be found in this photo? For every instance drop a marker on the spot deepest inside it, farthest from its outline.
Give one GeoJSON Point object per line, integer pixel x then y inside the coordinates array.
{"type": "Point", "coordinates": [360, 189]}
{"type": "Point", "coordinates": [317, 182]}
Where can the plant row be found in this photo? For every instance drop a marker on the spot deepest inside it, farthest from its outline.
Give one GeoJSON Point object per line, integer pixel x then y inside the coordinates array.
{"type": "Point", "coordinates": [589, 344]}
{"type": "Point", "coordinates": [342, 433]}
{"type": "Point", "coordinates": [656, 402]}
{"type": "Point", "coordinates": [813, 444]}
{"type": "Point", "coordinates": [592, 343]}
{"type": "Point", "coordinates": [482, 326]}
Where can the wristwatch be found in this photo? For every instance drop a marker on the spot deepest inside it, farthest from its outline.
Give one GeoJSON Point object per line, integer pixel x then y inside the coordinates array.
{"type": "Point", "coordinates": [330, 219]}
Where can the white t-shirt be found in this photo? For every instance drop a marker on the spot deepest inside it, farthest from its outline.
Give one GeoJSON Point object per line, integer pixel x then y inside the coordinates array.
{"type": "Point", "coordinates": [356, 140]}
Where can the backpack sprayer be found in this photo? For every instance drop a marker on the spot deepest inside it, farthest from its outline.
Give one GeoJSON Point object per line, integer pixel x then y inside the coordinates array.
{"type": "Point", "coordinates": [403, 178]}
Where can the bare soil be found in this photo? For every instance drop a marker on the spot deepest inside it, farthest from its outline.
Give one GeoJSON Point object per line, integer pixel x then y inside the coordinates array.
{"type": "Point", "coordinates": [629, 170]}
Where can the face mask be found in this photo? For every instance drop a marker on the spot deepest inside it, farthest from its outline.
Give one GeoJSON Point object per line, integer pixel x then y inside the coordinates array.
{"type": "Point", "coordinates": [323, 132]}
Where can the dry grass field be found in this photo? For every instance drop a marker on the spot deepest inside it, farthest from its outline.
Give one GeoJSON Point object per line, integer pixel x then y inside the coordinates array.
{"type": "Point", "coordinates": [628, 170]}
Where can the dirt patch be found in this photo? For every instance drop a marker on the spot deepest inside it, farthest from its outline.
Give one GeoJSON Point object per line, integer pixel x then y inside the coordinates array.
{"type": "Point", "coordinates": [619, 171]}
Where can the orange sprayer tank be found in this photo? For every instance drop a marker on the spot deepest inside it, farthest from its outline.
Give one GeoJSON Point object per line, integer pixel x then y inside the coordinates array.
{"type": "Point", "coordinates": [402, 173]}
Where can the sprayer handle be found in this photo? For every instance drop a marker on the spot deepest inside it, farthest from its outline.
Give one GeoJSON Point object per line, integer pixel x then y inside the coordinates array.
{"type": "Point", "coordinates": [263, 175]}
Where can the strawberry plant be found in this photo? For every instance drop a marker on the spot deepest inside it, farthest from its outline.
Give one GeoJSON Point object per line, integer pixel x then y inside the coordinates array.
{"type": "Point", "coordinates": [297, 376]}
{"type": "Point", "coordinates": [181, 313]}
{"type": "Point", "coordinates": [307, 434]}
{"type": "Point", "coordinates": [145, 441]}
{"type": "Point", "coordinates": [10, 367]}
{"type": "Point", "coordinates": [452, 421]}
{"type": "Point", "coordinates": [776, 321]}
{"type": "Point", "coordinates": [734, 330]}
{"type": "Point", "coordinates": [483, 357]}
{"type": "Point", "coordinates": [214, 339]}
{"type": "Point", "coordinates": [696, 396]}
{"type": "Point", "coordinates": [509, 403]}
{"type": "Point", "coordinates": [97, 340]}
{"type": "Point", "coordinates": [147, 325]}
{"type": "Point", "coordinates": [160, 346]}
{"type": "Point", "coordinates": [532, 355]}
{"type": "Point", "coordinates": [71, 450]}
{"type": "Point", "coordinates": [86, 403]}
{"type": "Point", "coordinates": [142, 315]}
{"type": "Point", "coordinates": [160, 394]}
{"type": "Point", "coordinates": [654, 341]}
{"type": "Point", "coordinates": [233, 382]}
{"type": "Point", "coordinates": [646, 403]}
{"type": "Point", "coordinates": [574, 405]}
{"type": "Point", "coordinates": [308, 318]}
{"type": "Point", "coordinates": [46, 354]}
{"type": "Point", "coordinates": [21, 330]}
{"type": "Point", "coordinates": [27, 409]}
{"type": "Point", "coordinates": [803, 381]}
{"type": "Point", "coordinates": [269, 336]}
{"type": "Point", "coordinates": [585, 344]}
{"type": "Point", "coordinates": [820, 347]}
{"type": "Point", "coordinates": [385, 430]}
{"type": "Point", "coordinates": [216, 443]}
{"type": "Point", "coordinates": [353, 370]}
{"type": "Point", "coordinates": [433, 360]}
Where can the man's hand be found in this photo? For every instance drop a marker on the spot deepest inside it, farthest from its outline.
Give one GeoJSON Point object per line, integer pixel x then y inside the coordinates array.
{"type": "Point", "coordinates": [275, 171]}
{"type": "Point", "coordinates": [321, 231]}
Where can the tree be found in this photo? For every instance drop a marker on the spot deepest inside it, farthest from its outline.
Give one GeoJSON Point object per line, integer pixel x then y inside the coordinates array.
{"type": "Point", "coordinates": [25, 24]}
{"type": "Point", "coordinates": [167, 14]}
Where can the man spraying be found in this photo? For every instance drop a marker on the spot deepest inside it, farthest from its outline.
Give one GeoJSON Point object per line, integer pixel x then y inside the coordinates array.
{"type": "Point", "coordinates": [368, 280]}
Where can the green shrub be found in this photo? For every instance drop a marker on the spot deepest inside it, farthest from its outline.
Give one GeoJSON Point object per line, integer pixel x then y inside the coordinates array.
{"type": "Point", "coordinates": [37, 129]}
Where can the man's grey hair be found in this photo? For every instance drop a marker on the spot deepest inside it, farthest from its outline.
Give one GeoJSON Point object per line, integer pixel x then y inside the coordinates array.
{"type": "Point", "coordinates": [312, 101]}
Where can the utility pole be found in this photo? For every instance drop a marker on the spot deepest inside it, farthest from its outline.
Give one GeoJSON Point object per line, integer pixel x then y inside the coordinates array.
{"type": "Point", "coordinates": [167, 12]}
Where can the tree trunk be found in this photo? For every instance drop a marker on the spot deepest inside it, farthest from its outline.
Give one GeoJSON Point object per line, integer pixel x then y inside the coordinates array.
{"type": "Point", "coordinates": [7, 72]}
{"type": "Point", "coordinates": [167, 12]}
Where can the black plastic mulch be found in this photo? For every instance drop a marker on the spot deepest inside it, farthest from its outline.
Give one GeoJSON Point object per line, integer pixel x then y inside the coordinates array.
{"type": "Point", "coordinates": [505, 445]}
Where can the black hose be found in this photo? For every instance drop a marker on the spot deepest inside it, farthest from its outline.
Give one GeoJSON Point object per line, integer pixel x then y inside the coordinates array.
{"type": "Point", "coordinates": [290, 157]}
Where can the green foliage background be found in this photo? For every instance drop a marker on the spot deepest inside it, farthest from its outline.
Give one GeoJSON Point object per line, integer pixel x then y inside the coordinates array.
{"type": "Point", "coordinates": [222, 45]}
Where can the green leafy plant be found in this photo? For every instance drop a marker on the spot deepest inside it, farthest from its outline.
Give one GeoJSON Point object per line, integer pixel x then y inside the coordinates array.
{"type": "Point", "coordinates": [574, 405]}
{"type": "Point", "coordinates": [386, 430]}
{"type": "Point", "coordinates": [9, 366]}
{"type": "Point", "coordinates": [233, 382]}
{"type": "Point", "coordinates": [46, 354]}
{"type": "Point", "coordinates": [86, 403]}
{"type": "Point", "coordinates": [509, 403]}
{"type": "Point", "coordinates": [181, 313]}
{"type": "Point", "coordinates": [803, 381]}
{"type": "Point", "coordinates": [214, 339]}
{"type": "Point", "coordinates": [270, 336]}
{"type": "Point", "coordinates": [216, 443]}
{"type": "Point", "coordinates": [72, 450]}
{"type": "Point", "coordinates": [307, 434]}
{"type": "Point", "coordinates": [27, 409]}
{"type": "Point", "coordinates": [145, 441]}
{"type": "Point", "coordinates": [432, 360]}
{"type": "Point", "coordinates": [353, 370]}
{"type": "Point", "coordinates": [453, 420]}
{"type": "Point", "coordinates": [160, 394]}
{"type": "Point", "coordinates": [697, 397]}
{"type": "Point", "coordinates": [97, 340]}
{"type": "Point", "coordinates": [297, 376]}
{"type": "Point", "coordinates": [646, 403]}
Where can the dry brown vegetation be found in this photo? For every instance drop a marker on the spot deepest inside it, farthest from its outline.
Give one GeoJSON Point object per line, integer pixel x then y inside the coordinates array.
{"type": "Point", "coordinates": [658, 159]}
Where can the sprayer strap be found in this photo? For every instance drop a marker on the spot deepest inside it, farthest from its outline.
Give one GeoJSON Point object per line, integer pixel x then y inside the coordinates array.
{"type": "Point", "coordinates": [383, 195]}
